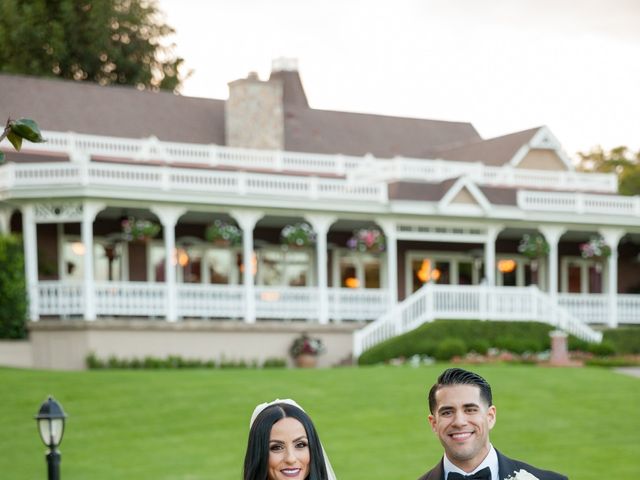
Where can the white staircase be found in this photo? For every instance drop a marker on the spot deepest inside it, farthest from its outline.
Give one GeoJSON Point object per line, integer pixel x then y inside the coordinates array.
{"type": "Point", "coordinates": [470, 302]}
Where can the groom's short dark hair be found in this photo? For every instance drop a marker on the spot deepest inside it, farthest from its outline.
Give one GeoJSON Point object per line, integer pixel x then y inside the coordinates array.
{"type": "Point", "coordinates": [458, 376]}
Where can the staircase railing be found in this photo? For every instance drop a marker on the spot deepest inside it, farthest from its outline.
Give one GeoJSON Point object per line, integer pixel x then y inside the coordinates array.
{"type": "Point", "coordinates": [473, 303]}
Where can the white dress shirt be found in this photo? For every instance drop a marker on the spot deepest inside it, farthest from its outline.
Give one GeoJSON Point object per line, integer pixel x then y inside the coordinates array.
{"type": "Point", "coordinates": [491, 461]}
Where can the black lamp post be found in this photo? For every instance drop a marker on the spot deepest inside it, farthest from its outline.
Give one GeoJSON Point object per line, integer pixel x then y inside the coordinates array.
{"type": "Point", "coordinates": [50, 420]}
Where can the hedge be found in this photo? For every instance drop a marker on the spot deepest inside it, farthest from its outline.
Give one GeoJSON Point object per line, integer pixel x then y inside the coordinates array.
{"type": "Point", "coordinates": [435, 339]}
{"type": "Point", "coordinates": [13, 291]}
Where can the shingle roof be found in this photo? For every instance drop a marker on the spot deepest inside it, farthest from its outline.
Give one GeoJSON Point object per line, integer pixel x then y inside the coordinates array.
{"type": "Point", "coordinates": [493, 151]}
{"type": "Point", "coordinates": [434, 192]}
{"type": "Point", "coordinates": [82, 107]}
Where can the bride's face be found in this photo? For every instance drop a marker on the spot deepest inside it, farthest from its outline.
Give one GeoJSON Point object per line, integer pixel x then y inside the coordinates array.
{"type": "Point", "coordinates": [288, 451]}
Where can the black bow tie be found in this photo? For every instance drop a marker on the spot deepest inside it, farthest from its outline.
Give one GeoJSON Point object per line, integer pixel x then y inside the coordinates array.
{"type": "Point", "coordinates": [484, 474]}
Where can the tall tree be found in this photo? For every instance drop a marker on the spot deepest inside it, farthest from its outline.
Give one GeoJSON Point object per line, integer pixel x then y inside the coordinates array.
{"type": "Point", "coordinates": [619, 160]}
{"type": "Point", "coordinates": [105, 41]}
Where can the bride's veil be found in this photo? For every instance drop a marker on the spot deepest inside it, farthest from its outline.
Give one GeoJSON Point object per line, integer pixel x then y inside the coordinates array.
{"type": "Point", "coordinates": [330, 474]}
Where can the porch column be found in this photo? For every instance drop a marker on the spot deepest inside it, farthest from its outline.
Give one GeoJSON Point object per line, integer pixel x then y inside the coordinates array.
{"type": "Point", "coordinates": [5, 217]}
{"type": "Point", "coordinates": [169, 216]}
{"type": "Point", "coordinates": [490, 254]}
{"type": "Point", "coordinates": [247, 220]}
{"type": "Point", "coordinates": [389, 229]}
{"type": "Point", "coordinates": [612, 236]}
{"type": "Point", "coordinates": [31, 260]}
{"type": "Point", "coordinates": [89, 212]}
{"type": "Point", "coordinates": [552, 234]}
{"type": "Point", "coordinates": [321, 224]}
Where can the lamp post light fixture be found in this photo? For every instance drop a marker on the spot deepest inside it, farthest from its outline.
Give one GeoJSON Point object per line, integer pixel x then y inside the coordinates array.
{"type": "Point", "coordinates": [50, 420]}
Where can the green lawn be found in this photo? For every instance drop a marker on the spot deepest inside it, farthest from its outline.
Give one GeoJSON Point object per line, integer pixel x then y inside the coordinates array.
{"type": "Point", "coordinates": [192, 425]}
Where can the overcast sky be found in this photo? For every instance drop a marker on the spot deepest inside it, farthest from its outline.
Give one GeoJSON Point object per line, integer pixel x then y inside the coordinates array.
{"type": "Point", "coordinates": [503, 65]}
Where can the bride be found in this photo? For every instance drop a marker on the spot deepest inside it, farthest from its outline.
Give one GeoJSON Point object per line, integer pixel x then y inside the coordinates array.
{"type": "Point", "coordinates": [284, 445]}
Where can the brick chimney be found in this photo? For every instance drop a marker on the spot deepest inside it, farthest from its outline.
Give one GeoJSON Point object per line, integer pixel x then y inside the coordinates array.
{"type": "Point", "coordinates": [254, 114]}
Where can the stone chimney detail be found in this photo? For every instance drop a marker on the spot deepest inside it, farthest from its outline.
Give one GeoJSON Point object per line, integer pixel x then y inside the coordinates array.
{"type": "Point", "coordinates": [254, 114]}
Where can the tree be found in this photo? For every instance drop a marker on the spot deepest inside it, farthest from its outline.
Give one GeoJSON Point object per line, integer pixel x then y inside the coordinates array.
{"type": "Point", "coordinates": [620, 160]}
{"type": "Point", "coordinates": [106, 41]}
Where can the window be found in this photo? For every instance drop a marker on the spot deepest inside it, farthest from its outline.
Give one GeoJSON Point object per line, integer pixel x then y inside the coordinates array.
{"type": "Point", "coordinates": [357, 270]}
{"type": "Point", "coordinates": [277, 267]}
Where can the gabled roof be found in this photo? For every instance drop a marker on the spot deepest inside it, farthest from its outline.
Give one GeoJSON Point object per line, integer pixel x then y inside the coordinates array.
{"type": "Point", "coordinates": [330, 132]}
{"type": "Point", "coordinates": [436, 192]}
{"type": "Point", "coordinates": [84, 107]}
{"type": "Point", "coordinates": [493, 151]}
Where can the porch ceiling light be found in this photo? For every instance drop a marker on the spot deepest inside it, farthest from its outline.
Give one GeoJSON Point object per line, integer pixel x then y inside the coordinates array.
{"type": "Point", "coordinates": [51, 420]}
{"type": "Point", "coordinates": [507, 266]}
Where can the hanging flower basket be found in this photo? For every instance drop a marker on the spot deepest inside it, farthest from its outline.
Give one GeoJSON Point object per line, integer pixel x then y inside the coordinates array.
{"type": "Point", "coordinates": [134, 229]}
{"type": "Point", "coordinates": [533, 246]}
{"type": "Point", "coordinates": [596, 248]}
{"type": "Point", "coordinates": [223, 234]}
{"type": "Point", "coordinates": [305, 349]}
{"type": "Point", "coordinates": [367, 240]}
{"type": "Point", "coordinates": [298, 235]}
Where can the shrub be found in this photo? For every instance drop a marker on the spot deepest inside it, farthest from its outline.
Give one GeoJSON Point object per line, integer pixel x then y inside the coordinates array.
{"type": "Point", "coordinates": [274, 363]}
{"type": "Point", "coordinates": [479, 346]}
{"type": "Point", "coordinates": [603, 349]}
{"type": "Point", "coordinates": [449, 348]}
{"type": "Point", "coordinates": [13, 291]}
{"type": "Point", "coordinates": [518, 337]}
{"type": "Point", "coordinates": [612, 362]}
{"type": "Point", "coordinates": [625, 339]}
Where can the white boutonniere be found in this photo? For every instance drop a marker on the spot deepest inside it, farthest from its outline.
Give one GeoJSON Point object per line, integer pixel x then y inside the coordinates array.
{"type": "Point", "coordinates": [522, 475]}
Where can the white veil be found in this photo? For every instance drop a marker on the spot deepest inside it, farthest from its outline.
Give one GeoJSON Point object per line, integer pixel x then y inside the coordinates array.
{"type": "Point", "coordinates": [262, 406]}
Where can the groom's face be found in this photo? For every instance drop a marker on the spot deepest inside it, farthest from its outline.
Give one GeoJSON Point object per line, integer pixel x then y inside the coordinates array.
{"type": "Point", "coordinates": [462, 421]}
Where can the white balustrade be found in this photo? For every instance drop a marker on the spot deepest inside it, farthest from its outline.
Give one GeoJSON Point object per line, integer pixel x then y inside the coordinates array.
{"type": "Point", "coordinates": [629, 309]}
{"type": "Point", "coordinates": [287, 303]}
{"type": "Point", "coordinates": [118, 176]}
{"type": "Point", "coordinates": [210, 301]}
{"type": "Point", "coordinates": [131, 299]}
{"type": "Point", "coordinates": [359, 168]}
{"type": "Point", "coordinates": [473, 303]}
{"type": "Point", "coordinates": [578, 203]}
{"type": "Point", "coordinates": [590, 308]}
{"type": "Point", "coordinates": [357, 304]}
{"type": "Point", "coordinates": [60, 299]}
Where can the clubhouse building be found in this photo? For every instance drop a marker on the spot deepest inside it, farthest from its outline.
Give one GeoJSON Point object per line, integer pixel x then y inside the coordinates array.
{"type": "Point", "coordinates": [164, 224]}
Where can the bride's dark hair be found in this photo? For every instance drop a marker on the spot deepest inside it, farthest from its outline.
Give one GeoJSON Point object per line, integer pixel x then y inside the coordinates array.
{"type": "Point", "coordinates": [256, 459]}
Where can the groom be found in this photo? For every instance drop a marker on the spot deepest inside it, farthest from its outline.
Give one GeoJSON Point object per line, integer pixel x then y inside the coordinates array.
{"type": "Point", "coordinates": [462, 413]}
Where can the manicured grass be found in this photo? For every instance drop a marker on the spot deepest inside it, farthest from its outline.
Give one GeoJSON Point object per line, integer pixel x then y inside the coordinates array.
{"type": "Point", "coordinates": [192, 425]}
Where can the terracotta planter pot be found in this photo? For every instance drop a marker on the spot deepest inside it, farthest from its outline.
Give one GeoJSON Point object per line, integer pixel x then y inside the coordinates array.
{"type": "Point", "coordinates": [306, 360]}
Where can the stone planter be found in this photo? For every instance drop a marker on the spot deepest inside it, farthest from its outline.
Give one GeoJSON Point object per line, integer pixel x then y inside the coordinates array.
{"type": "Point", "coordinates": [306, 360]}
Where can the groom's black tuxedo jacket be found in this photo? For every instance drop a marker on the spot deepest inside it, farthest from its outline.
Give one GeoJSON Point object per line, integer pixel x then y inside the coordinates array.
{"type": "Point", "coordinates": [506, 466]}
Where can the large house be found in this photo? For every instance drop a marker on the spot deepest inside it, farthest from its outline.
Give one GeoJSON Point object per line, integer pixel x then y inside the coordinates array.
{"type": "Point", "coordinates": [149, 215]}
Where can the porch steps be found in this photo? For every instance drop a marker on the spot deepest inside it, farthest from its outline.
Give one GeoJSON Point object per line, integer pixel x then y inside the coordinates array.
{"type": "Point", "coordinates": [472, 303]}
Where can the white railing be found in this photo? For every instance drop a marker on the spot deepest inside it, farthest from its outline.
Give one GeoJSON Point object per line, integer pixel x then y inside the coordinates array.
{"type": "Point", "coordinates": [594, 308]}
{"type": "Point", "coordinates": [579, 203]}
{"type": "Point", "coordinates": [357, 304]}
{"type": "Point", "coordinates": [210, 301]}
{"type": "Point", "coordinates": [82, 147]}
{"type": "Point", "coordinates": [139, 299]}
{"type": "Point", "coordinates": [149, 299]}
{"type": "Point", "coordinates": [628, 309]}
{"type": "Point", "coordinates": [438, 170]}
{"type": "Point", "coordinates": [470, 302]}
{"type": "Point", "coordinates": [184, 180]}
{"type": "Point", "coordinates": [60, 299]}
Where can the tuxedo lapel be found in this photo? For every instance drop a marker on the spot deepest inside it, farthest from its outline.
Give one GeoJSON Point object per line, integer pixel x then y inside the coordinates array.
{"type": "Point", "coordinates": [436, 473]}
{"type": "Point", "coordinates": [506, 466]}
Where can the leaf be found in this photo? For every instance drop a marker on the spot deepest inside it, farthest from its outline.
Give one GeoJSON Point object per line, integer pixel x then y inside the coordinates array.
{"type": "Point", "coordinates": [1, 157]}
{"type": "Point", "coordinates": [15, 140]}
{"type": "Point", "coordinates": [27, 129]}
